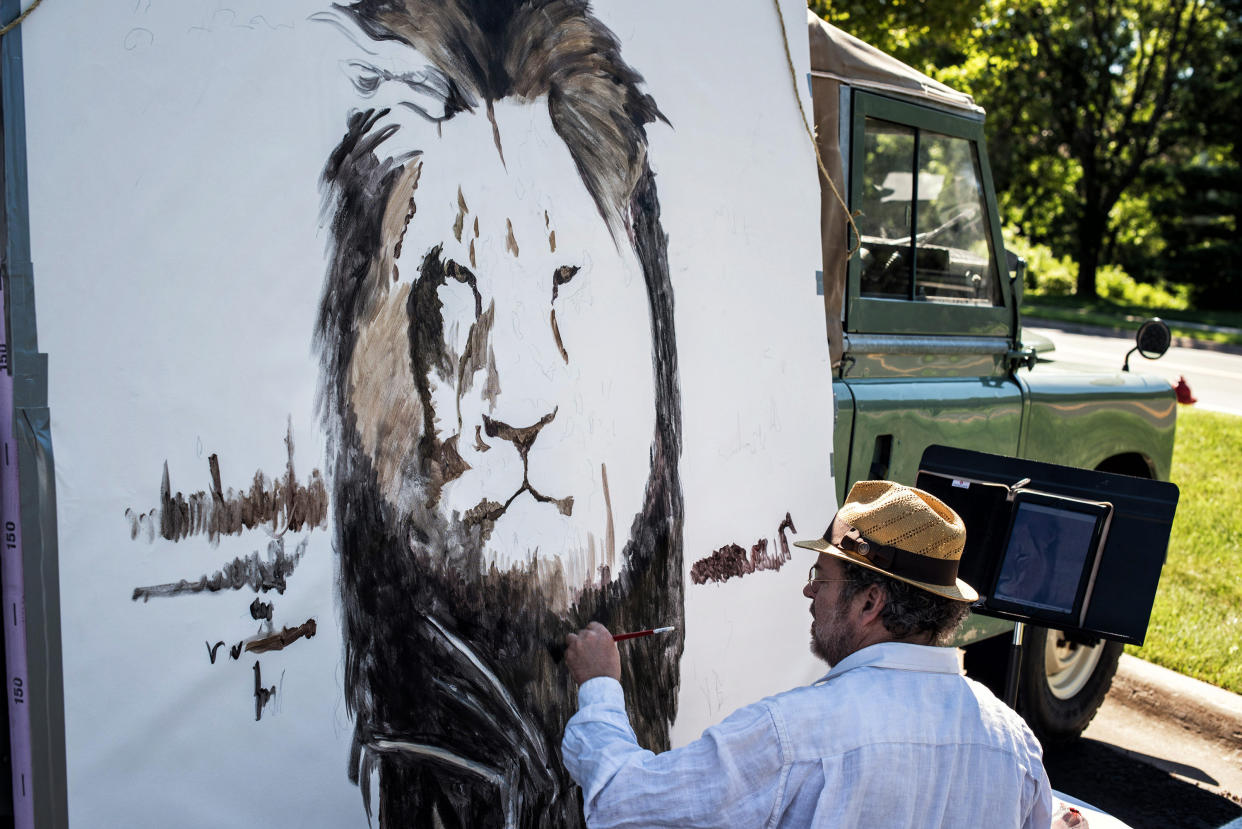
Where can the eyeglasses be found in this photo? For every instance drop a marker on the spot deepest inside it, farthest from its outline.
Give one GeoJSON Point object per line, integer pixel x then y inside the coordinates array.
{"type": "Point", "coordinates": [812, 575]}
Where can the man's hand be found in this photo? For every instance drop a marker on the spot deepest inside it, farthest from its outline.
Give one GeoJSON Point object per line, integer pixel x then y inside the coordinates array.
{"type": "Point", "coordinates": [591, 652]}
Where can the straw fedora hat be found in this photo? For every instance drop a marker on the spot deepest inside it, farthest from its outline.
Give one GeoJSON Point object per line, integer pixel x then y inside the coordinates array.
{"type": "Point", "coordinates": [902, 532]}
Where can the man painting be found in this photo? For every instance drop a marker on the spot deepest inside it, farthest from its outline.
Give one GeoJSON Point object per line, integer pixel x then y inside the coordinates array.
{"type": "Point", "coordinates": [500, 396]}
{"type": "Point", "coordinates": [892, 736]}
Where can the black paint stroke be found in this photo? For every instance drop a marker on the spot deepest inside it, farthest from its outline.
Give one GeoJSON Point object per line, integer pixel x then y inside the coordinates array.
{"type": "Point", "coordinates": [457, 705]}
{"type": "Point", "coordinates": [785, 525]}
{"type": "Point", "coordinates": [284, 504]}
{"type": "Point", "coordinates": [426, 83]}
{"type": "Point", "coordinates": [562, 276]}
{"type": "Point", "coordinates": [282, 640]}
{"type": "Point", "coordinates": [256, 573]}
{"type": "Point", "coordinates": [262, 696]}
{"type": "Point", "coordinates": [211, 650]}
{"type": "Point", "coordinates": [261, 610]}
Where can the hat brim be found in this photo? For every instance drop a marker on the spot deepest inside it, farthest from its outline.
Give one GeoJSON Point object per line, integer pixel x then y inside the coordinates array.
{"type": "Point", "coordinates": [960, 591]}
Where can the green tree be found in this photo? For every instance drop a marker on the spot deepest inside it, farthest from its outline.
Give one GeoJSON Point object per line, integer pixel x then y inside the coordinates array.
{"type": "Point", "coordinates": [1198, 204]}
{"type": "Point", "coordinates": [1084, 95]}
{"type": "Point", "coordinates": [929, 35]}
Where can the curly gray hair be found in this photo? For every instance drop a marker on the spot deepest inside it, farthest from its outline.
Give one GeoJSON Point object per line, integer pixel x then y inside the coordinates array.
{"type": "Point", "coordinates": [908, 610]}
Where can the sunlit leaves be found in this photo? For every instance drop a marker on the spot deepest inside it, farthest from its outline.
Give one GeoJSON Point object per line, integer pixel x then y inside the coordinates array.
{"type": "Point", "coordinates": [1084, 97]}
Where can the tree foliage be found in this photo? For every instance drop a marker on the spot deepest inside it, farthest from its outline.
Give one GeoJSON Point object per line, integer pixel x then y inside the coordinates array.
{"type": "Point", "coordinates": [927, 35]}
{"type": "Point", "coordinates": [1084, 96]}
{"type": "Point", "coordinates": [1198, 204]}
{"type": "Point", "coordinates": [1199, 207]}
{"type": "Point", "coordinates": [1113, 124]}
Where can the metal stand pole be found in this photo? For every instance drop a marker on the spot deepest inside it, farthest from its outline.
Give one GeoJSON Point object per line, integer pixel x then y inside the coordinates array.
{"type": "Point", "coordinates": [1015, 666]}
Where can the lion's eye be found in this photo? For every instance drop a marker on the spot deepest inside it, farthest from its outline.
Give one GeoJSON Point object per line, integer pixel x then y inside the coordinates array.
{"type": "Point", "coordinates": [561, 276]}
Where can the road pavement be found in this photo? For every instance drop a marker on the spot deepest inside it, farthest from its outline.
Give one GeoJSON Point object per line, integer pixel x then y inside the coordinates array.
{"type": "Point", "coordinates": [1164, 750]}
{"type": "Point", "coordinates": [1214, 377]}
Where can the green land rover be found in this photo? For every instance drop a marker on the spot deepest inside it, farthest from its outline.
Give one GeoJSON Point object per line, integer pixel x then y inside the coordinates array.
{"type": "Point", "coordinates": [926, 339]}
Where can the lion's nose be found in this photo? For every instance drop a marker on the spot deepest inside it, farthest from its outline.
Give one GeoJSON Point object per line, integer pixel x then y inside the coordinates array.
{"type": "Point", "coordinates": [521, 437]}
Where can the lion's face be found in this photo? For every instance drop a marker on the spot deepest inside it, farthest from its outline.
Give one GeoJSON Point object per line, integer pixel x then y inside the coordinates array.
{"type": "Point", "coordinates": [502, 372]}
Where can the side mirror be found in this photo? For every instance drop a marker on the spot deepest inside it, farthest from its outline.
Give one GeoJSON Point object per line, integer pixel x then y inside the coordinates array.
{"type": "Point", "coordinates": [1151, 341]}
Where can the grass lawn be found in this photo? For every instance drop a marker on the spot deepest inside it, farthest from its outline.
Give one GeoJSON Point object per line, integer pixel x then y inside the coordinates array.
{"type": "Point", "coordinates": [1196, 624]}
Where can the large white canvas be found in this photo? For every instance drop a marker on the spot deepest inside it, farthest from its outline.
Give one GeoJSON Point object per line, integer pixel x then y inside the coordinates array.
{"type": "Point", "coordinates": [181, 238]}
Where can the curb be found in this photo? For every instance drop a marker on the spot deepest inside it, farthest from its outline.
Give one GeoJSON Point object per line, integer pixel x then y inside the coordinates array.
{"type": "Point", "coordinates": [1126, 334]}
{"type": "Point", "coordinates": [1213, 712]}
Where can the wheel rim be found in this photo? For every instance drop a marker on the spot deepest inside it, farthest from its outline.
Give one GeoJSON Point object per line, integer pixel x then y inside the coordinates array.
{"type": "Point", "coordinates": [1068, 665]}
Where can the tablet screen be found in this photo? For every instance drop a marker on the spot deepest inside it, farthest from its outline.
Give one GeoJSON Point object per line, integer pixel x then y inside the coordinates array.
{"type": "Point", "coordinates": [1044, 560]}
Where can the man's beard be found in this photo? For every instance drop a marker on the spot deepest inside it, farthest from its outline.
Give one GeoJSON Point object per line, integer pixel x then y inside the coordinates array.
{"type": "Point", "coordinates": [833, 640]}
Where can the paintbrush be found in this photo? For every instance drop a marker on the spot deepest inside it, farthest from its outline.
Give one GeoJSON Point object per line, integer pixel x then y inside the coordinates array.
{"type": "Point", "coordinates": [557, 649]}
{"type": "Point", "coordinates": [621, 637]}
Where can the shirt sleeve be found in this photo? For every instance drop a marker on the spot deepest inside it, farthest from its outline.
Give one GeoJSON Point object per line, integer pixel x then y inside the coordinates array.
{"type": "Point", "coordinates": [734, 773]}
{"type": "Point", "coordinates": [1037, 791]}
{"type": "Point", "coordinates": [1040, 814]}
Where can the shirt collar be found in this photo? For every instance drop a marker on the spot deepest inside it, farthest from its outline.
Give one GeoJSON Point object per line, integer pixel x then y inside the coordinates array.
{"type": "Point", "coordinates": [901, 656]}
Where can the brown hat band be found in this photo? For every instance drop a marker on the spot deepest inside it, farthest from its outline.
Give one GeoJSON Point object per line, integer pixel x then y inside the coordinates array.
{"type": "Point", "coordinates": [940, 571]}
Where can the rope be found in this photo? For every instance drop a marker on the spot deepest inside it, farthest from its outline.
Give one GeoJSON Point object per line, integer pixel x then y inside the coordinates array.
{"type": "Point", "coordinates": [11, 26]}
{"type": "Point", "coordinates": [793, 77]}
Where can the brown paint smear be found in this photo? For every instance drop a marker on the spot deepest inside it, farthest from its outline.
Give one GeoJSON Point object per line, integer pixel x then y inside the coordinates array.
{"type": "Point", "coordinates": [282, 504]}
{"type": "Point", "coordinates": [491, 116]}
{"type": "Point", "coordinates": [610, 540]}
{"type": "Point", "coordinates": [382, 389]}
{"type": "Point", "coordinates": [547, 223]}
{"type": "Point", "coordinates": [282, 640]}
{"type": "Point", "coordinates": [511, 244]}
{"type": "Point", "coordinates": [556, 334]}
{"type": "Point", "coordinates": [411, 182]}
{"type": "Point", "coordinates": [731, 560]}
{"type": "Point", "coordinates": [462, 210]}
{"type": "Point", "coordinates": [478, 355]}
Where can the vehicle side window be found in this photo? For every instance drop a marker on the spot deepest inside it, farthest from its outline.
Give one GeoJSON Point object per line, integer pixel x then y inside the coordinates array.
{"type": "Point", "coordinates": [923, 220]}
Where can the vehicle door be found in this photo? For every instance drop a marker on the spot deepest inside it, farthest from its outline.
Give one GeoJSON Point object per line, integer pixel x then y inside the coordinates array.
{"type": "Point", "coordinates": [929, 319]}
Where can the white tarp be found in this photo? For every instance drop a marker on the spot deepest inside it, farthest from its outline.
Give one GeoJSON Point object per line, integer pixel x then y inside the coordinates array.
{"type": "Point", "coordinates": [386, 346]}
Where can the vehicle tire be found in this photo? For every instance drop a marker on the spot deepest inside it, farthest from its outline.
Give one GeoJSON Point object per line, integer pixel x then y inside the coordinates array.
{"type": "Point", "coordinates": [1063, 683]}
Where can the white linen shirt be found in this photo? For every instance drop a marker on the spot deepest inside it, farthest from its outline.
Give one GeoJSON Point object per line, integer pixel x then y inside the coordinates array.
{"type": "Point", "coordinates": [892, 736]}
